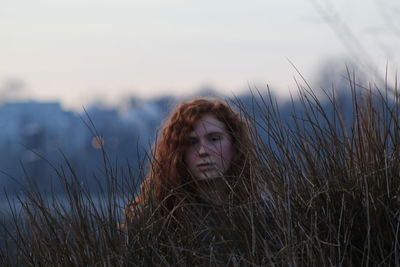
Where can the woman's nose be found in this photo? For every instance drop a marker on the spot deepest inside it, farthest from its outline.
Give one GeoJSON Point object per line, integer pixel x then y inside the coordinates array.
{"type": "Point", "coordinates": [202, 150]}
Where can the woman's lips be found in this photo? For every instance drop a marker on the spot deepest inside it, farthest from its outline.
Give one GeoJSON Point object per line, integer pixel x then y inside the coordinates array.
{"type": "Point", "coordinates": [205, 165]}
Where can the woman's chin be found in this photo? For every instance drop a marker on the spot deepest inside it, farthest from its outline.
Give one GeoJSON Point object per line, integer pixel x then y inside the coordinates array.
{"type": "Point", "coordinates": [209, 175]}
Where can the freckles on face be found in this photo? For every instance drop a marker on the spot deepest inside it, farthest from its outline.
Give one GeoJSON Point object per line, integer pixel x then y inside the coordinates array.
{"type": "Point", "coordinates": [210, 150]}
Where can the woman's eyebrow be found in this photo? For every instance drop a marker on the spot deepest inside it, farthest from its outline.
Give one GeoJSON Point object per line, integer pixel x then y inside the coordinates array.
{"type": "Point", "coordinates": [215, 133]}
{"type": "Point", "coordinates": [196, 136]}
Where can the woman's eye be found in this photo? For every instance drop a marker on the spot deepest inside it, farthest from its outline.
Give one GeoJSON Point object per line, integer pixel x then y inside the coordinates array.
{"type": "Point", "coordinates": [215, 138]}
{"type": "Point", "coordinates": [193, 141]}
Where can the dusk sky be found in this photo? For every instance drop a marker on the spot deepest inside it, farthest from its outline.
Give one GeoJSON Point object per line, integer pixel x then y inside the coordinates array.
{"type": "Point", "coordinates": [78, 52]}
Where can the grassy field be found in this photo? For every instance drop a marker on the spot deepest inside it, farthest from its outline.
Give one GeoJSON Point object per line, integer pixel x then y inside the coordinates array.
{"type": "Point", "coordinates": [330, 196]}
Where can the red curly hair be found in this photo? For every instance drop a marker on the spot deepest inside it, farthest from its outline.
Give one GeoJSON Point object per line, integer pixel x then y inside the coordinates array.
{"type": "Point", "coordinates": [168, 171]}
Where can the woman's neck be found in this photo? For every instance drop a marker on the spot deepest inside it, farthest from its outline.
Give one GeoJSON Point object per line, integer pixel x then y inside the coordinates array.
{"type": "Point", "coordinates": [214, 191]}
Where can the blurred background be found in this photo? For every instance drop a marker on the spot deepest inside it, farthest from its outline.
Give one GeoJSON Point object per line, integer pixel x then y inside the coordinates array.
{"type": "Point", "coordinates": [127, 62]}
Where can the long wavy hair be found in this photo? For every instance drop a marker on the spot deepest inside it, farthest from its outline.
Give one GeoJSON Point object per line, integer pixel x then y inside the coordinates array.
{"type": "Point", "coordinates": [168, 180]}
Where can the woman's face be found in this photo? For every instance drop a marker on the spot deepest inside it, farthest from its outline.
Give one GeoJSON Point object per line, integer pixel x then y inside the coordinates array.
{"type": "Point", "coordinates": [210, 150]}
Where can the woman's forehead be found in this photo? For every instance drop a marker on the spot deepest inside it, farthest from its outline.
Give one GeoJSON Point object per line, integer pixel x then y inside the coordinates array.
{"type": "Point", "coordinates": [208, 124]}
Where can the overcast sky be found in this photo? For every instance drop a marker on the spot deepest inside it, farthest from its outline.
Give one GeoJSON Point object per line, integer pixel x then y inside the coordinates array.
{"type": "Point", "coordinates": [81, 51]}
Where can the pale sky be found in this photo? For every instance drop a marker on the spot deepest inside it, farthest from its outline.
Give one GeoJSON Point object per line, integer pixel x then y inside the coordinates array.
{"type": "Point", "coordinates": [78, 52]}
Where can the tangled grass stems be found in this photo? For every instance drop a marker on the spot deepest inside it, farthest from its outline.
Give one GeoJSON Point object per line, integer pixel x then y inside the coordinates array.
{"type": "Point", "coordinates": [330, 197]}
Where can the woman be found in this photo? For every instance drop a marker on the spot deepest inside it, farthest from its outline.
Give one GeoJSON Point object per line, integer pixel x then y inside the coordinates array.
{"type": "Point", "coordinates": [204, 155]}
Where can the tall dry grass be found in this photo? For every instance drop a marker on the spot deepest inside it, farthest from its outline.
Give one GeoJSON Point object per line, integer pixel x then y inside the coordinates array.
{"type": "Point", "coordinates": [330, 197]}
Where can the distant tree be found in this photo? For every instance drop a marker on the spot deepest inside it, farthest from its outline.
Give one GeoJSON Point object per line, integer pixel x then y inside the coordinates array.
{"type": "Point", "coordinates": [384, 36]}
